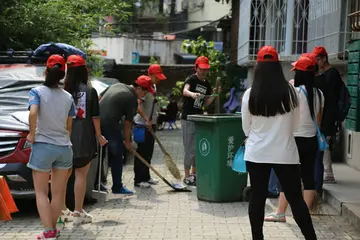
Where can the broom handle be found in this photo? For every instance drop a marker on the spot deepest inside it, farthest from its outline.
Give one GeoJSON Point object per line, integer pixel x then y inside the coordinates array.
{"type": "Point", "coordinates": [100, 165]}
{"type": "Point", "coordinates": [146, 163]}
{"type": "Point", "coordinates": [158, 141]}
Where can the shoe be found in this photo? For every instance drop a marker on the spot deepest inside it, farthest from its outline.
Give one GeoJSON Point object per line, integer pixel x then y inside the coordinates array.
{"type": "Point", "coordinates": [190, 180]}
{"type": "Point", "coordinates": [50, 235]}
{"type": "Point", "coordinates": [66, 215]}
{"type": "Point", "coordinates": [153, 181]}
{"type": "Point", "coordinates": [142, 185]}
{"type": "Point", "coordinates": [329, 180]}
{"type": "Point", "coordinates": [82, 217]}
{"type": "Point", "coordinates": [274, 217]}
{"type": "Point", "coordinates": [123, 190]}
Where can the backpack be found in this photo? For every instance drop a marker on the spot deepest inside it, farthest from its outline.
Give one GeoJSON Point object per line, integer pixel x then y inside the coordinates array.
{"type": "Point", "coordinates": [344, 103]}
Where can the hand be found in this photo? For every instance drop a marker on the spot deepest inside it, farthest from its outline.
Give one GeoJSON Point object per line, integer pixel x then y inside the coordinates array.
{"type": "Point", "coordinates": [148, 124]}
{"type": "Point", "coordinates": [195, 95]}
{"type": "Point", "coordinates": [128, 145]}
{"type": "Point", "coordinates": [30, 138]}
{"type": "Point", "coordinates": [102, 140]}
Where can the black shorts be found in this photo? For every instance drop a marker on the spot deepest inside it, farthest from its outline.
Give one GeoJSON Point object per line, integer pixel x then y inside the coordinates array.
{"type": "Point", "coordinates": [82, 162]}
{"type": "Point", "coordinates": [308, 148]}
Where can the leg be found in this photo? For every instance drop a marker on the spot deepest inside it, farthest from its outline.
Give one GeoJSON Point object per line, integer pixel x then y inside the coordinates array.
{"type": "Point", "coordinates": [41, 185]}
{"type": "Point", "coordinates": [187, 163]}
{"type": "Point", "coordinates": [319, 171]}
{"type": "Point", "coordinates": [259, 178]}
{"type": "Point", "coordinates": [142, 175]}
{"type": "Point", "coordinates": [289, 177]}
{"type": "Point", "coordinates": [67, 179]}
{"type": "Point", "coordinates": [189, 150]}
{"type": "Point", "coordinates": [328, 170]}
{"type": "Point", "coordinates": [151, 142]}
{"type": "Point", "coordinates": [58, 186]}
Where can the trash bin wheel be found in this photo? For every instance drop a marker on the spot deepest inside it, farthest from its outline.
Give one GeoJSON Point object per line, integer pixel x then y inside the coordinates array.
{"type": "Point", "coordinates": [246, 194]}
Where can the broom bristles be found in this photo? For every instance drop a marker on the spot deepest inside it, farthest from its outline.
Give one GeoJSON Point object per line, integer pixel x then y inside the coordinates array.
{"type": "Point", "coordinates": [174, 170]}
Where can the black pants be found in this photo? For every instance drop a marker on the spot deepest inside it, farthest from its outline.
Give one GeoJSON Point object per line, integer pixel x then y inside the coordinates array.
{"type": "Point", "coordinates": [289, 178]}
{"type": "Point", "coordinates": [146, 150]}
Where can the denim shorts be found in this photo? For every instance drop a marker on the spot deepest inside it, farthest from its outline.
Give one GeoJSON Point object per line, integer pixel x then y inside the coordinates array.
{"type": "Point", "coordinates": [45, 156]}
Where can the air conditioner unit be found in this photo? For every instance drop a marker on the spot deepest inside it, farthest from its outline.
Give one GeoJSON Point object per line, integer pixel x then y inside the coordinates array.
{"type": "Point", "coordinates": [200, 3]}
{"type": "Point", "coordinates": [185, 5]}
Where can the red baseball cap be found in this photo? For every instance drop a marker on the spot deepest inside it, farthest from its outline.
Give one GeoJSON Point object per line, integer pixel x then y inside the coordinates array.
{"type": "Point", "coordinates": [202, 62]}
{"type": "Point", "coordinates": [304, 63]}
{"type": "Point", "coordinates": [56, 60]}
{"type": "Point", "coordinates": [319, 50]}
{"type": "Point", "coordinates": [267, 54]}
{"type": "Point", "coordinates": [75, 61]}
{"type": "Point", "coordinates": [156, 70]}
{"type": "Point", "coordinates": [145, 82]}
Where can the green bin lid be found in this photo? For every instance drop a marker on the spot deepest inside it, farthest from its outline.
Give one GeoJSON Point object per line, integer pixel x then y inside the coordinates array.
{"type": "Point", "coordinates": [214, 117]}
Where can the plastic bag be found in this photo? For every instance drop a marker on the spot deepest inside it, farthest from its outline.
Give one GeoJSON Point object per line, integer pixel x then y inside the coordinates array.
{"type": "Point", "coordinates": [239, 164]}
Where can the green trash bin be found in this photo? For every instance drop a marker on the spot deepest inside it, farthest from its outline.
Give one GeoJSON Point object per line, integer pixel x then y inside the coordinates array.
{"type": "Point", "coordinates": [217, 139]}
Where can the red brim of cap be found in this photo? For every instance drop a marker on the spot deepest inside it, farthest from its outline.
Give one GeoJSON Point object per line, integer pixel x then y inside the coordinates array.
{"type": "Point", "coordinates": [204, 66]}
{"type": "Point", "coordinates": [294, 68]}
{"type": "Point", "coordinates": [151, 90]}
{"type": "Point", "coordinates": [160, 76]}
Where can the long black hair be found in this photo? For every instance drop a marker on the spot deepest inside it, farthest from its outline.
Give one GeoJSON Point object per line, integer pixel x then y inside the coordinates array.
{"type": "Point", "coordinates": [74, 77]}
{"type": "Point", "coordinates": [307, 79]}
{"type": "Point", "coordinates": [271, 94]}
{"type": "Point", "coordinates": [53, 76]}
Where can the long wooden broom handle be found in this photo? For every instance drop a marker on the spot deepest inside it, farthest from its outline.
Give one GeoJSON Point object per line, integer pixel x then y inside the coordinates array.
{"type": "Point", "coordinates": [146, 163]}
{"type": "Point", "coordinates": [158, 141]}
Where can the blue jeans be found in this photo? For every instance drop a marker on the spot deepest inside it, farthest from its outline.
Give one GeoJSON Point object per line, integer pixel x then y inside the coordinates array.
{"type": "Point", "coordinates": [319, 171]}
{"type": "Point", "coordinates": [115, 147]}
{"type": "Point", "coordinates": [274, 185]}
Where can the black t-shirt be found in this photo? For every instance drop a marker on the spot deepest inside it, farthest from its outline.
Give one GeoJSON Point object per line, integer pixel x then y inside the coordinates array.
{"type": "Point", "coordinates": [118, 101]}
{"type": "Point", "coordinates": [194, 106]}
{"type": "Point", "coordinates": [87, 103]}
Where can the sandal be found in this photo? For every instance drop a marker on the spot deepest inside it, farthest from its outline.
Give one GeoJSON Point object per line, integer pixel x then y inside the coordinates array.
{"type": "Point", "coordinates": [274, 217]}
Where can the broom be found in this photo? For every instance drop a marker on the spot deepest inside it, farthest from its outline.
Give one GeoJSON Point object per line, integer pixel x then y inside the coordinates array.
{"type": "Point", "coordinates": [170, 164]}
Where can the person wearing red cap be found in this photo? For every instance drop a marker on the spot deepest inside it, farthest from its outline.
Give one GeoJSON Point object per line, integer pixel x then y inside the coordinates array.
{"type": "Point", "coordinates": [333, 81]}
{"type": "Point", "coordinates": [311, 101]}
{"type": "Point", "coordinates": [50, 122]}
{"type": "Point", "coordinates": [270, 116]}
{"type": "Point", "coordinates": [119, 102]}
{"type": "Point", "coordinates": [143, 120]}
{"type": "Point", "coordinates": [85, 130]}
{"type": "Point", "coordinates": [196, 96]}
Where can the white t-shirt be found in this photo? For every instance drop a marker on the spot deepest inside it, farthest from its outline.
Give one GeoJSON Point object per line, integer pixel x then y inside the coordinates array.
{"type": "Point", "coordinates": [270, 139]}
{"type": "Point", "coordinates": [306, 123]}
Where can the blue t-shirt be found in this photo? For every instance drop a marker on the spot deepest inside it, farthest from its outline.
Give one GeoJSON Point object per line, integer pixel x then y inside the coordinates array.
{"type": "Point", "coordinates": [55, 106]}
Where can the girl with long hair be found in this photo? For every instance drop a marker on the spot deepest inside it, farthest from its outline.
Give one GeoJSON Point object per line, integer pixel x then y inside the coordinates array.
{"type": "Point", "coordinates": [270, 116]}
{"type": "Point", "coordinates": [50, 122]}
{"type": "Point", "coordinates": [311, 101]}
{"type": "Point", "coordinates": [86, 128]}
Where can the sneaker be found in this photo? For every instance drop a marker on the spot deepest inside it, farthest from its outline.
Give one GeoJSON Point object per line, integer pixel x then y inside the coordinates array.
{"type": "Point", "coordinates": [50, 235]}
{"type": "Point", "coordinates": [66, 215]}
{"type": "Point", "coordinates": [123, 190]}
{"type": "Point", "coordinates": [153, 181]}
{"type": "Point", "coordinates": [190, 180]}
{"type": "Point", "coordinates": [82, 217]}
{"type": "Point", "coordinates": [142, 185]}
{"type": "Point", "coordinates": [329, 180]}
{"type": "Point", "coordinates": [274, 217]}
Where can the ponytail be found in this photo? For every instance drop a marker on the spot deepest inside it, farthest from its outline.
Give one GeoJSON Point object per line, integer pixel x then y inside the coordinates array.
{"type": "Point", "coordinates": [53, 76]}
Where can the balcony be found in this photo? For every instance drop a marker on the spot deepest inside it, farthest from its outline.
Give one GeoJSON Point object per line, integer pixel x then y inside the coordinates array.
{"type": "Point", "coordinates": [280, 23]}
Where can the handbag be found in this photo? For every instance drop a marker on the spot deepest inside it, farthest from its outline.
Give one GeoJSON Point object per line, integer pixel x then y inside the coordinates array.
{"type": "Point", "coordinates": [239, 164]}
{"type": "Point", "coordinates": [323, 145]}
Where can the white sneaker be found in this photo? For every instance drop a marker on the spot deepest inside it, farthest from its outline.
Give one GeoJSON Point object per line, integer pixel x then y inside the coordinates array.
{"type": "Point", "coordinates": [66, 215]}
{"type": "Point", "coordinates": [142, 185]}
{"type": "Point", "coordinates": [82, 217]}
{"type": "Point", "coordinates": [153, 181]}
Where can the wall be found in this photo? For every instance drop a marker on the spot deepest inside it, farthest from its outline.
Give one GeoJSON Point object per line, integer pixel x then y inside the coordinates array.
{"type": "Point", "coordinates": [121, 48]}
{"type": "Point", "coordinates": [211, 11]}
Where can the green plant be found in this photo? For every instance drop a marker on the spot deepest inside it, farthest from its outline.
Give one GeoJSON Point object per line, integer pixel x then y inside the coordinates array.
{"type": "Point", "coordinates": [153, 60]}
{"type": "Point", "coordinates": [163, 101]}
{"type": "Point", "coordinates": [178, 88]}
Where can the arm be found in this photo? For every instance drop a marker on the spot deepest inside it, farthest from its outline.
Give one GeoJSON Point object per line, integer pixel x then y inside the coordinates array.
{"type": "Point", "coordinates": [95, 113]}
{"type": "Point", "coordinates": [188, 93]}
{"type": "Point", "coordinates": [321, 110]}
{"type": "Point", "coordinates": [130, 111]}
{"type": "Point", "coordinates": [34, 102]}
{"type": "Point", "coordinates": [208, 101]}
{"type": "Point", "coordinates": [69, 122]}
{"type": "Point", "coordinates": [127, 134]}
{"type": "Point", "coordinates": [245, 113]}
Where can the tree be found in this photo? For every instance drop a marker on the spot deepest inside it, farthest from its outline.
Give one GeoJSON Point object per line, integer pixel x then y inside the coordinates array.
{"type": "Point", "coordinates": [29, 23]}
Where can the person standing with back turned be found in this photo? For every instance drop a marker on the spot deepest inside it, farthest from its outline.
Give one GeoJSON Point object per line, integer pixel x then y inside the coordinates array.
{"type": "Point", "coordinates": [196, 95]}
{"type": "Point", "coordinates": [270, 116]}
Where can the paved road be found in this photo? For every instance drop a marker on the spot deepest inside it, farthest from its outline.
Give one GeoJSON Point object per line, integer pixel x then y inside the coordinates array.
{"type": "Point", "coordinates": [157, 214]}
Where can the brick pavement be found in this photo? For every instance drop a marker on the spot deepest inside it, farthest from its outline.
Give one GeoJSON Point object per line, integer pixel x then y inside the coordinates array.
{"type": "Point", "coordinates": [157, 214]}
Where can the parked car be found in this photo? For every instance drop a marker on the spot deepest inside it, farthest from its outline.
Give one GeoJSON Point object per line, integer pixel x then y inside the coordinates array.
{"type": "Point", "coordinates": [15, 82]}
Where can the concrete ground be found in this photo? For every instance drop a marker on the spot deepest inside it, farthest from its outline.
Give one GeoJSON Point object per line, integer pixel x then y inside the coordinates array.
{"type": "Point", "coordinates": [158, 214]}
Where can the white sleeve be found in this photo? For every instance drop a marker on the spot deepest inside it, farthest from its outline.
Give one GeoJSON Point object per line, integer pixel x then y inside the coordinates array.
{"type": "Point", "coordinates": [296, 113]}
{"type": "Point", "coordinates": [245, 113]}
